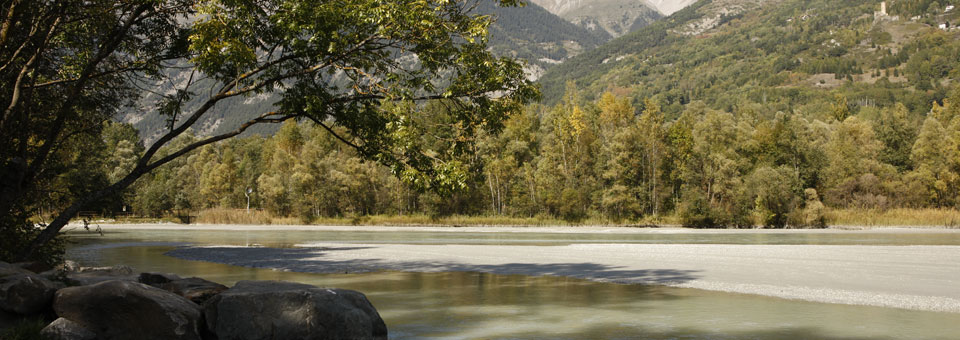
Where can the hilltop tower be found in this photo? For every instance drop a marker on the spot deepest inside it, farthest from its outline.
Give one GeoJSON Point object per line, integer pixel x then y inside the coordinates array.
{"type": "Point", "coordinates": [882, 15]}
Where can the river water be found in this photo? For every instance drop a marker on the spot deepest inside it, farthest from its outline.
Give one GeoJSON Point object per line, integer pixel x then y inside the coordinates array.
{"type": "Point", "coordinates": [467, 305]}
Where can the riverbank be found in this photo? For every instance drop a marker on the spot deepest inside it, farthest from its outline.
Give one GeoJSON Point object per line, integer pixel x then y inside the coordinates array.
{"type": "Point", "coordinates": [837, 218]}
{"type": "Point", "coordinates": [581, 229]}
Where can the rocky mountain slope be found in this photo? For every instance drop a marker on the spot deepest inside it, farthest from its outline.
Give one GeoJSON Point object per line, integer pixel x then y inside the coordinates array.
{"type": "Point", "coordinates": [615, 17]}
{"type": "Point", "coordinates": [667, 7]}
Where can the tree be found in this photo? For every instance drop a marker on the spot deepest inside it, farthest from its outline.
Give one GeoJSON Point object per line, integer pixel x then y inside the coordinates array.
{"type": "Point", "coordinates": [621, 160]}
{"type": "Point", "coordinates": [776, 192]}
{"type": "Point", "coordinates": [898, 134]}
{"type": "Point", "coordinates": [840, 109]}
{"type": "Point", "coordinates": [652, 136]}
{"type": "Point", "coordinates": [935, 155]}
{"type": "Point", "coordinates": [854, 173]}
{"type": "Point", "coordinates": [71, 65]}
{"type": "Point", "coordinates": [713, 184]}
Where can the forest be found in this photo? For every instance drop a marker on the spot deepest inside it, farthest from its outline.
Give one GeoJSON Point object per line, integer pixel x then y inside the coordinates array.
{"type": "Point", "coordinates": [603, 160]}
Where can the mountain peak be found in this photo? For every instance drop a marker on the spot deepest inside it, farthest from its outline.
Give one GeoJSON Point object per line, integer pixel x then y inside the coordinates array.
{"type": "Point", "coordinates": [564, 7]}
{"type": "Point", "coordinates": [668, 7]}
{"type": "Point", "coordinates": [615, 17]}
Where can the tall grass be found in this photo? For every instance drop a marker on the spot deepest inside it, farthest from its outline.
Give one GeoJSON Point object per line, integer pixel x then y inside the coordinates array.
{"type": "Point", "coordinates": [235, 216]}
{"type": "Point", "coordinates": [241, 216]}
{"type": "Point", "coordinates": [949, 218]}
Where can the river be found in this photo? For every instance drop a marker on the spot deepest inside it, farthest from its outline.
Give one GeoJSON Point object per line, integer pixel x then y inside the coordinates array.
{"type": "Point", "coordinates": [475, 305]}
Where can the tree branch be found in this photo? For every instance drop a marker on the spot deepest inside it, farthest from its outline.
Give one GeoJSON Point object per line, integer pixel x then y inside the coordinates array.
{"type": "Point", "coordinates": [64, 217]}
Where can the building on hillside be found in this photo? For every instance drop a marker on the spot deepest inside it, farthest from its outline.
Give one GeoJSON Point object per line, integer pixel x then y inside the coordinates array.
{"type": "Point", "coordinates": [948, 8]}
{"type": "Point", "coordinates": [882, 15]}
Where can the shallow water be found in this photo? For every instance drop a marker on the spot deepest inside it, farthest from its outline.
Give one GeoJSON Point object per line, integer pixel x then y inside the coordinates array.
{"type": "Point", "coordinates": [466, 305]}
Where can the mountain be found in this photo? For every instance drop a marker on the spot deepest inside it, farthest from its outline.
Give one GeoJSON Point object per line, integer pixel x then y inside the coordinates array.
{"type": "Point", "coordinates": [615, 17]}
{"type": "Point", "coordinates": [537, 36]}
{"type": "Point", "coordinates": [777, 55]}
{"type": "Point", "coordinates": [667, 7]}
{"type": "Point", "coordinates": [530, 33]}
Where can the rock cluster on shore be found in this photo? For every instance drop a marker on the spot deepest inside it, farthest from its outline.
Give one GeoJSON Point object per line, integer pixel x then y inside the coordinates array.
{"type": "Point", "coordinates": [117, 303]}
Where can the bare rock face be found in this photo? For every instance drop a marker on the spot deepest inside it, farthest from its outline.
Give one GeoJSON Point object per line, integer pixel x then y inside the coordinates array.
{"type": "Point", "coordinates": [196, 289]}
{"type": "Point", "coordinates": [284, 310]}
{"type": "Point", "coordinates": [26, 293]}
{"type": "Point", "coordinates": [63, 329]}
{"type": "Point", "coordinates": [129, 310]}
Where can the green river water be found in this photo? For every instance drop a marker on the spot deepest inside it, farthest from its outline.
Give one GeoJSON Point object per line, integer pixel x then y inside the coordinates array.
{"type": "Point", "coordinates": [467, 305]}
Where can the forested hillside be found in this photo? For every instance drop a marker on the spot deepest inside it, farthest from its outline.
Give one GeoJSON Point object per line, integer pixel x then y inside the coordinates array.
{"type": "Point", "coordinates": [791, 56]}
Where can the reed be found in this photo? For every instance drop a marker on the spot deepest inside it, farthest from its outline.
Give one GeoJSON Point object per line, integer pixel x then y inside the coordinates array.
{"type": "Point", "coordinates": [947, 218]}
{"type": "Point", "coordinates": [922, 218]}
{"type": "Point", "coordinates": [234, 216]}
{"type": "Point", "coordinates": [241, 216]}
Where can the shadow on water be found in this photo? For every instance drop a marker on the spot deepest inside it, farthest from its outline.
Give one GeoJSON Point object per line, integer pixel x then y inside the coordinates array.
{"type": "Point", "coordinates": [310, 260]}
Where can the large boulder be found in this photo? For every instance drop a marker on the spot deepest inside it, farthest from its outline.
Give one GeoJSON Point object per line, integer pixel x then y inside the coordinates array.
{"type": "Point", "coordinates": [7, 269]}
{"type": "Point", "coordinates": [129, 310]}
{"type": "Point", "coordinates": [63, 329]}
{"type": "Point", "coordinates": [26, 293]}
{"type": "Point", "coordinates": [7, 320]}
{"type": "Point", "coordinates": [91, 275]}
{"type": "Point", "coordinates": [157, 279]}
{"type": "Point", "coordinates": [34, 266]}
{"type": "Point", "coordinates": [284, 310]}
{"type": "Point", "coordinates": [194, 288]}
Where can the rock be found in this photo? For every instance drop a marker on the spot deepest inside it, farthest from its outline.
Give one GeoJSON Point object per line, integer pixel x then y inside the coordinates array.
{"type": "Point", "coordinates": [284, 310]}
{"type": "Point", "coordinates": [68, 266]}
{"type": "Point", "coordinates": [34, 266]}
{"type": "Point", "coordinates": [63, 329]}
{"type": "Point", "coordinates": [157, 279]}
{"type": "Point", "coordinates": [196, 289]}
{"type": "Point", "coordinates": [118, 270]}
{"type": "Point", "coordinates": [91, 275]}
{"type": "Point", "coordinates": [25, 293]}
{"type": "Point", "coordinates": [7, 320]}
{"type": "Point", "coordinates": [7, 269]}
{"type": "Point", "coordinates": [129, 310]}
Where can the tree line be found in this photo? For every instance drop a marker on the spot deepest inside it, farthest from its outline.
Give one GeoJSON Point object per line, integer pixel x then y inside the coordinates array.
{"type": "Point", "coordinates": [606, 159]}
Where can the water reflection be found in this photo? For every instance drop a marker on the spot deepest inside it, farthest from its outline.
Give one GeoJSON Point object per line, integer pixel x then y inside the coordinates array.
{"type": "Point", "coordinates": [471, 305]}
